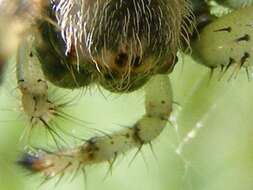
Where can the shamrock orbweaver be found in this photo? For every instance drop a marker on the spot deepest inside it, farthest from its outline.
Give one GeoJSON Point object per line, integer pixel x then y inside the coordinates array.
{"type": "Point", "coordinates": [119, 62]}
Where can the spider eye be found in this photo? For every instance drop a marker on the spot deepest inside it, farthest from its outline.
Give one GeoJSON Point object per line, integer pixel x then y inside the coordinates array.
{"type": "Point", "coordinates": [121, 59]}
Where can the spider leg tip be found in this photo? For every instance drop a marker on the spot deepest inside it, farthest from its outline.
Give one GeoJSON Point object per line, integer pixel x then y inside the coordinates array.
{"type": "Point", "coordinates": [27, 161]}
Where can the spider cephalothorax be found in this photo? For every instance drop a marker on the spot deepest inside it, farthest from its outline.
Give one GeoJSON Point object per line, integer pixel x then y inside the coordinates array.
{"type": "Point", "coordinates": [113, 43]}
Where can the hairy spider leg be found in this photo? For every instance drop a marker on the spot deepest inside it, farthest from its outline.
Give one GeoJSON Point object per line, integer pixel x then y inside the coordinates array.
{"type": "Point", "coordinates": [34, 89]}
{"type": "Point", "coordinates": [31, 82]}
{"type": "Point", "coordinates": [98, 149]}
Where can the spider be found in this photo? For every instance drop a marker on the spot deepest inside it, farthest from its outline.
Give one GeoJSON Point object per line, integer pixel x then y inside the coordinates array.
{"type": "Point", "coordinates": [121, 46]}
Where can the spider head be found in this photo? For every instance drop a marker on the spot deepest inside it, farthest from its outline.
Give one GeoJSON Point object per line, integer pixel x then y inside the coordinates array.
{"type": "Point", "coordinates": [117, 44]}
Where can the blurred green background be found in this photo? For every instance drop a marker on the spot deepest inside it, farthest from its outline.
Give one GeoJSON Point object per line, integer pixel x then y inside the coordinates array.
{"type": "Point", "coordinates": [218, 113]}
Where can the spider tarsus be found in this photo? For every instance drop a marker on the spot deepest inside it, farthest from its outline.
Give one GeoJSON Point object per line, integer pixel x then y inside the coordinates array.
{"type": "Point", "coordinates": [28, 161]}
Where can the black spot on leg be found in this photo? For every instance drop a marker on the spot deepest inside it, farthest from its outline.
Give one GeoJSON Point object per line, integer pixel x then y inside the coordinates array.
{"type": "Point", "coordinates": [48, 101]}
{"type": "Point", "coordinates": [163, 118]}
{"type": "Point", "coordinates": [136, 135]}
{"type": "Point", "coordinates": [231, 61]}
{"type": "Point", "coordinates": [245, 38]}
{"type": "Point", "coordinates": [176, 59]}
{"type": "Point", "coordinates": [91, 145]}
{"type": "Point", "coordinates": [92, 140]}
{"type": "Point", "coordinates": [31, 119]}
{"type": "Point", "coordinates": [163, 102]}
{"type": "Point", "coordinates": [91, 156]}
{"type": "Point", "coordinates": [227, 29]}
{"type": "Point", "coordinates": [127, 135]}
{"type": "Point", "coordinates": [53, 109]}
{"type": "Point", "coordinates": [31, 54]}
{"type": "Point", "coordinates": [244, 58]}
{"type": "Point", "coordinates": [21, 80]}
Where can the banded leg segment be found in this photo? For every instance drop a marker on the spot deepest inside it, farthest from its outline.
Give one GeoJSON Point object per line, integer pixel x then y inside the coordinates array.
{"type": "Point", "coordinates": [32, 84]}
{"type": "Point", "coordinates": [99, 149]}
